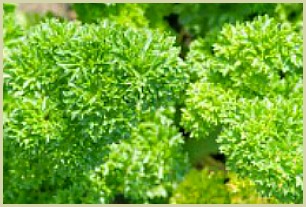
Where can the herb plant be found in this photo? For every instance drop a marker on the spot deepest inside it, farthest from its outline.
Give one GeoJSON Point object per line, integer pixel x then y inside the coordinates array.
{"type": "Point", "coordinates": [251, 87]}
{"type": "Point", "coordinates": [70, 104]}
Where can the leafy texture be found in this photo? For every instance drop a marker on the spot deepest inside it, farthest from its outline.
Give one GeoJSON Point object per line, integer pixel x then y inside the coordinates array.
{"type": "Point", "coordinates": [262, 137]}
{"type": "Point", "coordinates": [210, 103]}
{"type": "Point", "coordinates": [251, 87]}
{"type": "Point", "coordinates": [256, 58]}
{"type": "Point", "coordinates": [103, 110]}
{"type": "Point", "coordinates": [12, 31]}
{"type": "Point", "coordinates": [76, 89]}
{"type": "Point", "coordinates": [144, 167]}
{"type": "Point", "coordinates": [12, 28]}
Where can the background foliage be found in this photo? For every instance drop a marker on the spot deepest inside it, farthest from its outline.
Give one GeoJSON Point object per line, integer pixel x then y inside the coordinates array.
{"type": "Point", "coordinates": [208, 186]}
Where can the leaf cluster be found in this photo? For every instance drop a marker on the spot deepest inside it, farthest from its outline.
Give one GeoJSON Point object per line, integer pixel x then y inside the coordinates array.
{"type": "Point", "coordinates": [251, 87]}
{"type": "Point", "coordinates": [144, 167]}
{"type": "Point", "coordinates": [75, 90]}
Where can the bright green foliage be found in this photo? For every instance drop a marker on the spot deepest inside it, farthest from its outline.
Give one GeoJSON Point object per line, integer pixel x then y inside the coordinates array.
{"type": "Point", "coordinates": [144, 167]}
{"type": "Point", "coordinates": [12, 31]}
{"type": "Point", "coordinates": [205, 186]}
{"type": "Point", "coordinates": [209, 103]}
{"type": "Point", "coordinates": [89, 108]}
{"type": "Point", "coordinates": [11, 28]}
{"type": "Point", "coordinates": [255, 58]}
{"type": "Point", "coordinates": [251, 87]}
{"type": "Point", "coordinates": [261, 139]}
{"type": "Point", "coordinates": [75, 89]}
